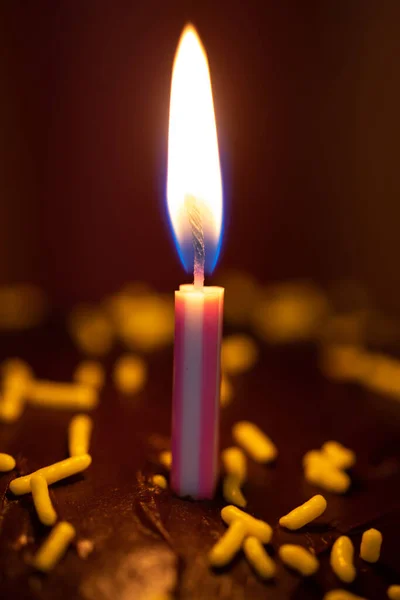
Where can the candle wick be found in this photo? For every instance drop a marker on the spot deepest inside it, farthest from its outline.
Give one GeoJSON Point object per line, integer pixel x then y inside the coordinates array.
{"type": "Point", "coordinates": [196, 225]}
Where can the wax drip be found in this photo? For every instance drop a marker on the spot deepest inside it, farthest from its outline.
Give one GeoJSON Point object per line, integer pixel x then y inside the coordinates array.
{"type": "Point", "coordinates": [196, 224]}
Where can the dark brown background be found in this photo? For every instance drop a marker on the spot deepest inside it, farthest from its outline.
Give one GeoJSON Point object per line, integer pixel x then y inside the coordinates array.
{"type": "Point", "coordinates": [307, 97]}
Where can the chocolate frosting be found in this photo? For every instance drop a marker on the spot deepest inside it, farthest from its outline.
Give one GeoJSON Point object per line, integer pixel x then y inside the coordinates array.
{"type": "Point", "coordinates": [136, 541]}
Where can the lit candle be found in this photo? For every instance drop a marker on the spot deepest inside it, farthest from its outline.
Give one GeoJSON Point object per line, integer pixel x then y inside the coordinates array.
{"type": "Point", "coordinates": [194, 194]}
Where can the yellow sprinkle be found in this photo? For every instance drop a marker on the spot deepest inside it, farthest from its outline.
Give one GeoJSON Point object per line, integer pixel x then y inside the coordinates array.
{"type": "Point", "coordinates": [225, 549]}
{"type": "Point", "coordinates": [393, 592]}
{"type": "Point", "coordinates": [317, 458]}
{"type": "Point", "coordinates": [41, 500]}
{"type": "Point", "coordinates": [91, 330]}
{"type": "Point", "coordinates": [322, 472]}
{"type": "Point", "coordinates": [330, 479]}
{"type": "Point", "coordinates": [371, 543]}
{"type": "Point", "coordinates": [341, 457]}
{"type": "Point", "coordinates": [17, 376]}
{"type": "Point", "coordinates": [255, 527]}
{"type": "Point", "coordinates": [258, 558]}
{"type": "Point", "coordinates": [232, 492]}
{"type": "Point", "coordinates": [299, 559]}
{"type": "Point", "coordinates": [342, 555]}
{"type": "Point", "coordinates": [52, 473]}
{"type": "Point", "coordinates": [12, 405]}
{"type": "Point", "coordinates": [234, 462]}
{"type": "Point", "coordinates": [90, 373]}
{"type": "Point", "coordinates": [7, 462]}
{"type": "Point", "coordinates": [147, 323]}
{"type": "Point", "coordinates": [304, 514]}
{"type": "Point", "coordinates": [226, 391]}
{"type": "Point", "coordinates": [165, 458]}
{"type": "Point", "coordinates": [130, 374]}
{"type": "Point", "coordinates": [238, 354]}
{"type": "Point", "coordinates": [67, 396]}
{"type": "Point", "coordinates": [341, 595]}
{"type": "Point", "coordinates": [160, 481]}
{"type": "Point", "coordinates": [120, 304]}
{"type": "Point", "coordinates": [16, 373]}
{"type": "Point", "coordinates": [54, 547]}
{"type": "Point", "coordinates": [79, 432]}
{"type": "Point", "coordinates": [289, 312]}
{"type": "Point", "coordinates": [383, 376]}
{"type": "Point", "coordinates": [345, 362]}
{"type": "Point", "coordinates": [254, 441]}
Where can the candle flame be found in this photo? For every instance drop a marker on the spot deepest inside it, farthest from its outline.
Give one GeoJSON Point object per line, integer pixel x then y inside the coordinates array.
{"type": "Point", "coordinates": [194, 175]}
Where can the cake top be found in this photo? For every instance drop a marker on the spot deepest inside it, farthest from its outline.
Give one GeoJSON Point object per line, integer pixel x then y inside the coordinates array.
{"type": "Point", "coordinates": [136, 538]}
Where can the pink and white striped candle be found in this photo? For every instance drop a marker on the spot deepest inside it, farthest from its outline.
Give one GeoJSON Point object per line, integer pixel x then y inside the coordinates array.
{"type": "Point", "coordinates": [196, 390]}
{"type": "Point", "coordinates": [195, 206]}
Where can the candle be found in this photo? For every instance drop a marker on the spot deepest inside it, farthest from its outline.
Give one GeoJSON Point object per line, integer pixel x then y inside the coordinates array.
{"type": "Point", "coordinates": [194, 195]}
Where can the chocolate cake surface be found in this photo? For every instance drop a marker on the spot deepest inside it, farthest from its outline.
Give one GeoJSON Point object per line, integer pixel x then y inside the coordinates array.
{"type": "Point", "coordinates": [135, 540]}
